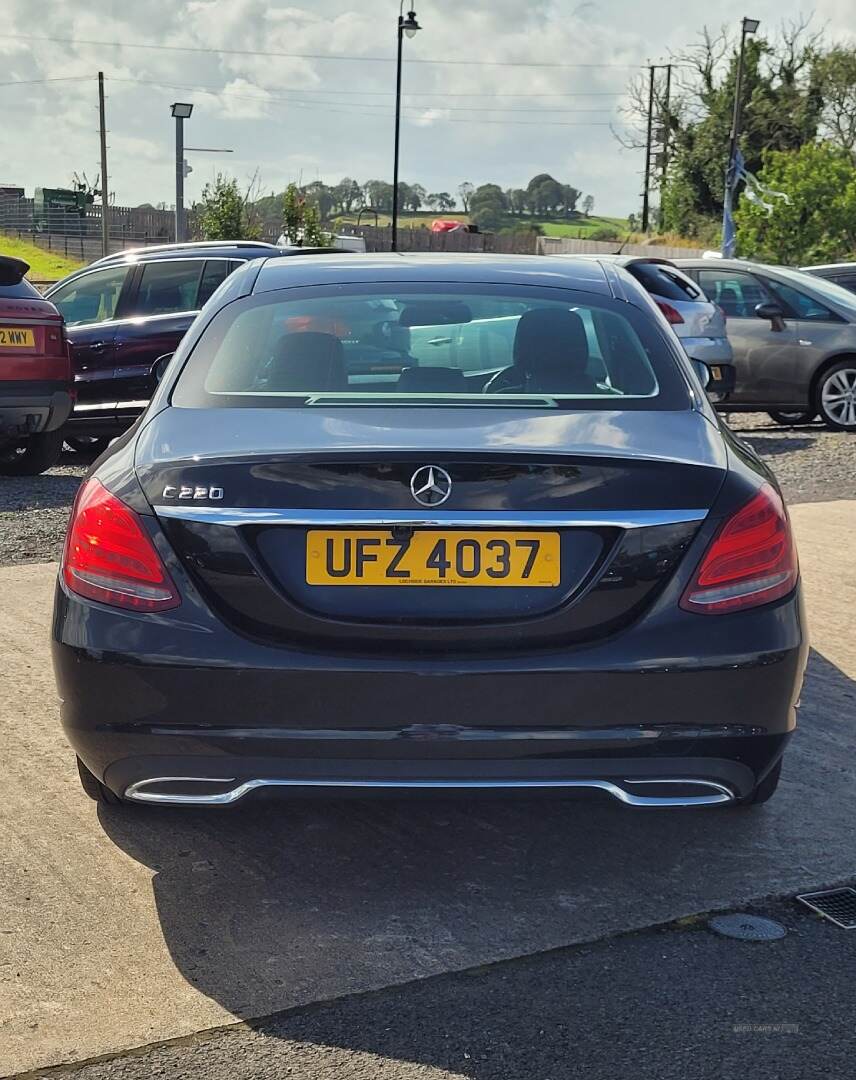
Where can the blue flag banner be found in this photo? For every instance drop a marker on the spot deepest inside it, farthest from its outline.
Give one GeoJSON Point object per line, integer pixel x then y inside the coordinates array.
{"type": "Point", "coordinates": [753, 191]}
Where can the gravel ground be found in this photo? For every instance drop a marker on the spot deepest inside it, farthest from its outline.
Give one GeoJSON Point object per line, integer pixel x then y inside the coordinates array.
{"type": "Point", "coordinates": [812, 464]}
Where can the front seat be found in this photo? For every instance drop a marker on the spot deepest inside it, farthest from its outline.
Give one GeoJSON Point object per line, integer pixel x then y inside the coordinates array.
{"type": "Point", "coordinates": [730, 300]}
{"type": "Point", "coordinates": [307, 361]}
{"type": "Point", "coordinates": [164, 300]}
{"type": "Point", "coordinates": [551, 353]}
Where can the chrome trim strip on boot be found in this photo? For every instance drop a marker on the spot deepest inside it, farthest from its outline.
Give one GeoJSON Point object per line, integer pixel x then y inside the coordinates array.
{"type": "Point", "coordinates": [622, 519]}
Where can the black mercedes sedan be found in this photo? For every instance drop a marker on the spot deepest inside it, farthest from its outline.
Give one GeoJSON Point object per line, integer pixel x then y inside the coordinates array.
{"type": "Point", "coordinates": [434, 522]}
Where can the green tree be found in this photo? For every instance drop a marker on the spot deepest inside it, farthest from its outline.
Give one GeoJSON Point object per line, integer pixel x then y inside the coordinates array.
{"type": "Point", "coordinates": [818, 221]}
{"type": "Point", "coordinates": [465, 190]}
{"type": "Point", "coordinates": [570, 198]}
{"type": "Point", "coordinates": [488, 216]}
{"type": "Point", "coordinates": [300, 220]}
{"type": "Point", "coordinates": [440, 200]}
{"type": "Point", "coordinates": [320, 196]}
{"type": "Point", "coordinates": [488, 207]}
{"type": "Point", "coordinates": [347, 194]}
{"type": "Point", "coordinates": [415, 197]}
{"type": "Point", "coordinates": [782, 106]}
{"type": "Point", "coordinates": [222, 212]}
{"type": "Point", "coordinates": [837, 75]}
{"type": "Point", "coordinates": [379, 195]}
{"type": "Point", "coordinates": [588, 205]}
{"type": "Point", "coordinates": [545, 194]}
{"type": "Point", "coordinates": [518, 200]}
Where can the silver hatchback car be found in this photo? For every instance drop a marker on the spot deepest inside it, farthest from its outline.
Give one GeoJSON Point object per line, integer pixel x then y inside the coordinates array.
{"type": "Point", "coordinates": [698, 323]}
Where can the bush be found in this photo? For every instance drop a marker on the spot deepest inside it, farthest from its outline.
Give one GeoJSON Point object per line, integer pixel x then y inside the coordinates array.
{"type": "Point", "coordinates": [604, 232]}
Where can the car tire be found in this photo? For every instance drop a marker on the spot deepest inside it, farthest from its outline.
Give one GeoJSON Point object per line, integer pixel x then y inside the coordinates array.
{"type": "Point", "coordinates": [836, 396]}
{"type": "Point", "coordinates": [32, 455]}
{"type": "Point", "coordinates": [87, 444]}
{"type": "Point", "coordinates": [763, 791]}
{"type": "Point", "coordinates": [95, 789]}
{"type": "Point", "coordinates": [790, 419]}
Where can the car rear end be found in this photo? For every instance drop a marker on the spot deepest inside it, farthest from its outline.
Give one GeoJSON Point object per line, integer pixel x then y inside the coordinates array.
{"type": "Point", "coordinates": [429, 595]}
{"type": "Point", "coordinates": [35, 369]}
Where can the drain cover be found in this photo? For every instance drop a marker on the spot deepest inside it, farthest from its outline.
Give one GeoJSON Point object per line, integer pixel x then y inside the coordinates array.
{"type": "Point", "coordinates": [747, 927]}
{"type": "Point", "coordinates": [837, 905]}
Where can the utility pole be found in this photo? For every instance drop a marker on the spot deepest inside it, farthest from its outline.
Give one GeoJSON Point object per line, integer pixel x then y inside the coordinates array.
{"type": "Point", "coordinates": [647, 182]}
{"type": "Point", "coordinates": [105, 189]}
{"type": "Point", "coordinates": [748, 26]}
{"type": "Point", "coordinates": [667, 130]}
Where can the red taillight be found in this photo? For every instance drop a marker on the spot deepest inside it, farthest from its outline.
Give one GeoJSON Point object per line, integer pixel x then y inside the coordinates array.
{"type": "Point", "coordinates": [672, 314]}
{"type": "Point", "coordinates": [751, 560]}
{"type": "Point", "coordinates": [55, 340]}
{"type": "Point", "coordinates": [110, 557]}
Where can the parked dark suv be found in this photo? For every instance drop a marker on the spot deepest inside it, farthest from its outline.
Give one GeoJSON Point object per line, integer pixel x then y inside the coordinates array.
{"type": "Point", "coordinates": [127, 310]}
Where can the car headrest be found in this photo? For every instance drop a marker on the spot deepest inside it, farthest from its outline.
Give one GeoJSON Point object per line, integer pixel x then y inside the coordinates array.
{"type": "Point", "coordinates": [165, 298]}
{"type": "Point", "coordinates": [550, 346]}
{"type": "Point", "coordinates": [432, 380]}
{"type": "Point", "coordinates": [308, 361]}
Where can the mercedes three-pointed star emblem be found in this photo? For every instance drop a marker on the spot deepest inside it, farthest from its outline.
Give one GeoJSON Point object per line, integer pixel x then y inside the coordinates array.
{"type": "Point", "coordinates": [430, 485]}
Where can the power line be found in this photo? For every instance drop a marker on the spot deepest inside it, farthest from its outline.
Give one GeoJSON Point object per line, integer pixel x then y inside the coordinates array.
{"type": "Point", "coordinates": [378, 93]}
{"type": "Point", "coordinates": [64, 78]}
{"type": "Point", "coordinates": [350, 104]}
{"type": "Point", "coordinates": [469, 62]}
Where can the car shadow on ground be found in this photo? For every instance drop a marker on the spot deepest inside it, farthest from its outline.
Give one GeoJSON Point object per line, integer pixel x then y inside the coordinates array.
{"type": "Point", "coordinates": [268, 906]}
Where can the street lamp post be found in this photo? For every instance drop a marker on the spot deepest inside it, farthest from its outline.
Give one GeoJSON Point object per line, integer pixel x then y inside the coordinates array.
{"type": "Point", "coordinates": [181, 111]}
{"type": "Point", "coordinates": [407, 26]}
{"type": "Point", "coordinates": [749, 26]}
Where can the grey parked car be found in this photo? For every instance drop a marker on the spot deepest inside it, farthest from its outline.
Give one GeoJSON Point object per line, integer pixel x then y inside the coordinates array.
{"type": "Point", "coordinates": [794, 340]}
{"type": "Point", "coordinates": [843, 274]}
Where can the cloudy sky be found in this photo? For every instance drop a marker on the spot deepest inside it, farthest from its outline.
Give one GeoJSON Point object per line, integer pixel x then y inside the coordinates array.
{"type": "Point", "coordinates": [481, 115]}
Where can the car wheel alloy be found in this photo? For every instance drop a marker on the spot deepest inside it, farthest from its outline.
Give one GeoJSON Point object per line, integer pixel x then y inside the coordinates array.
{"type": "Point", "coordinates": [837, 396]}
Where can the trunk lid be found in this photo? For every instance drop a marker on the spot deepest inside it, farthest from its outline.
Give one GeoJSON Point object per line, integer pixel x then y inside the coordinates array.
{"type": "Point", "coordinates": [32, 341]}
{"type": "Point", "coordinates": [244, 494]}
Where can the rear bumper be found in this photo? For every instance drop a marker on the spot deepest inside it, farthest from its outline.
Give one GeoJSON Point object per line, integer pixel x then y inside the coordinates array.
{"type": "Point", "coordinates": [623, 713]}
{"type": "Point", "coordinates": [708, 350]}
{"type": "Point", "coordinates": [29, 410]}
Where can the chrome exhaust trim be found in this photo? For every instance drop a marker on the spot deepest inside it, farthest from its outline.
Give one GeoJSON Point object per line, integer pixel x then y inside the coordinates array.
{"type": "Point", "coordinates": [712, 794]}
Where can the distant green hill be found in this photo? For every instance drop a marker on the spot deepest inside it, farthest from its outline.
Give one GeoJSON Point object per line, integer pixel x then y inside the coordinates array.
{"type": "Point", "coordinates": [576, 227]}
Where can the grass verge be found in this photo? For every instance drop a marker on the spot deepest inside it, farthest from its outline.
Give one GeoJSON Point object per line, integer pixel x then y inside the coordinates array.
{"type": "Point", "coordinates": [44, 265]}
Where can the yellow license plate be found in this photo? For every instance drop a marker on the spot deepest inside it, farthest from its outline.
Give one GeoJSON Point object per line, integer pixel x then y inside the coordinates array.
{"type": "Point", "coordinates": [431, 557]}
{"type": "Point", "coordinates": [12, 337]}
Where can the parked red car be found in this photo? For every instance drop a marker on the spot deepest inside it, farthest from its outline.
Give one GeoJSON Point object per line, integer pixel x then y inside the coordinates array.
{"type": "Point", "coordinates": [35, 375]}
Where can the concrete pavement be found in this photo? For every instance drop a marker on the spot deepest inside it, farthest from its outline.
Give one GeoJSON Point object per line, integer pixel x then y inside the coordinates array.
{"type": "Point", "coordinates": [120, 928]}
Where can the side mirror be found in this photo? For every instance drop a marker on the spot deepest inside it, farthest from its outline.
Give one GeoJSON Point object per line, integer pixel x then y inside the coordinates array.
{"type": "Point", "coordinates": [774, 313]}
{"type": "Point", "coordinates": [160, 365]}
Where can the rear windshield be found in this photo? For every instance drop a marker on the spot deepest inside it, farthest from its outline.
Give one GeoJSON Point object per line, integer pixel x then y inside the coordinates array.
{"type": "Point", "coordinates": [21, 290]}
{"type": "Point", "coordinates": [665, 281]}
{"type": "Point", "coordinates": [439, 344]}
